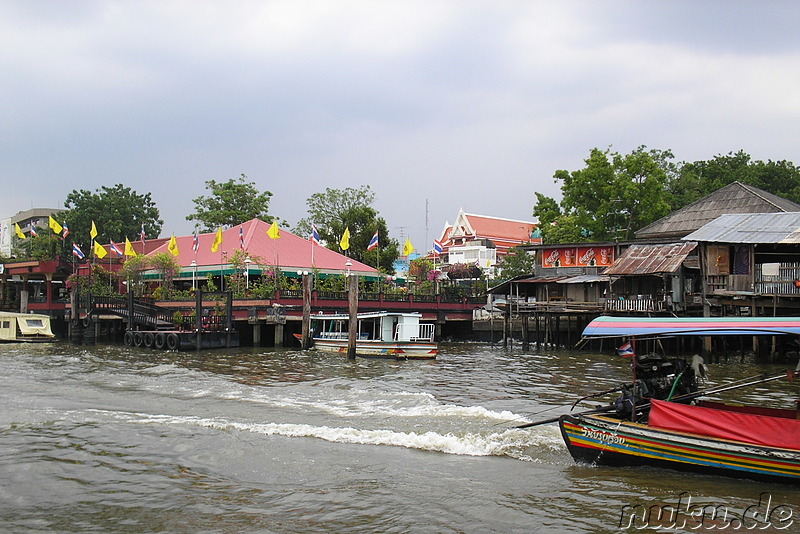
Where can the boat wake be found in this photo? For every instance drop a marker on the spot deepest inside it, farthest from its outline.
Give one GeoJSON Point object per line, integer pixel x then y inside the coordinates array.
{"type": "Point", "coordinates": [512, 443]}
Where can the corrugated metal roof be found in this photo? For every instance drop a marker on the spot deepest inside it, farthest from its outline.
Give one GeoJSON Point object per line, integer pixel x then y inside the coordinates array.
{"type": "Point", "coordinates": [651, 259]}
{"type": "Point", "coordinates": [751, 228]}
{"type": "Point", "coordinates": [585, 279]}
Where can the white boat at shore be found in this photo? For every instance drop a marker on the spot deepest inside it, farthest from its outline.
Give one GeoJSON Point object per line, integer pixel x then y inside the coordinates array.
{"type": "Point", "coordinates": [385, 334]}
{"type": "Point", "coordinates": [16, 327]}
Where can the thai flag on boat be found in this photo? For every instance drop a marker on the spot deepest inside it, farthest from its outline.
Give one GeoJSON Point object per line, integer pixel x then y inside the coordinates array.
{"type": "Point", "coordinates": [195, 241]}
{"type": "Point", "coordinates": [314, 234]}
{"type": "Point", "coordinates": [373, 242]}
{"type": "Point", "coordinates": [626, 350]}
{"type": "Point", "coordinates": [438, 248]}
{"type": "Point", "coordinates": [114, 248]}
{"type": "Point", "coordinates": [76, 251]}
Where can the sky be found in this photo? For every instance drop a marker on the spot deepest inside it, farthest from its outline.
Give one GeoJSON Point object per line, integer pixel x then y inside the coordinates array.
{"type": "Point", "coordinates": [438, 105]}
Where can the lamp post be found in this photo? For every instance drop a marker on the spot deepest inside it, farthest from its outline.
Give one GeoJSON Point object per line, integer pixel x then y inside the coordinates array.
{"type": "Point", "coordinates": [247, 262]}
{"type": "Point", "coordinates": [222, 271]}
{"type": "Point", "coordinates": [347, 266]}
{"type": "Point", "coordinates": [193, 265]}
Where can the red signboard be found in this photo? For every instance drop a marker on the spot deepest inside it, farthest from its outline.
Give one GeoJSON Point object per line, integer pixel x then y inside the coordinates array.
{"type": "Point", "coordinates": [578, 257]}
{"type": "Point", "coordinates": [595, 256]}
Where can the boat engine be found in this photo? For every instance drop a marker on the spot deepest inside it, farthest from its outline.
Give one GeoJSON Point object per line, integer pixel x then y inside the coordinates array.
{"type": "Point", "coordinates": [657, 378]}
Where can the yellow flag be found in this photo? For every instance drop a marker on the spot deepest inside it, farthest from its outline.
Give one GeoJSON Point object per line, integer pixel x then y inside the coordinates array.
{"type": "Point", "coordinates": [274, 232]}
{"type": "Point", "coordinates": [18, 231]}
{"type": "Point", "coordinates": [99, 251]}
{"type": "Point", "coordinates": [408, 248]}
{"type": "Point", "coordinates": [345, 242]}
{"type": "Point", "coordinates": [217, 240]}
{"type": "Point", "coordinates": [54, 226]}
{"type": "Point", "coordinates": [173, 245]}
{"type": "Point", "coordinates": [129, 248]}
{"type": "Point", "coordinates": [93, 231]}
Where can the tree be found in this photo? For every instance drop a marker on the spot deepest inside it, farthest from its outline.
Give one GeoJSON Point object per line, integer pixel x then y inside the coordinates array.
{"type": "Point", "coordinates": [168, 268]}
{"type": "Point", "coordinates": [517, 263]}
{"type": "Point", "coordinates": [118, 212]}
{"type": "Point", "coordinates": [133, 273]}
{"type": "Point", "coordinates": [336, 209]}
{"type": "Point", "coordinates": [700, 178]}
{"type": "Point", "coordinates": [363, 221]}
{"type": "Point", "coordinates": [325, 209]}
{"type": "Point", "coordinates": [230, 203]}
{"type": "Point", "coordinates": [613, 196]}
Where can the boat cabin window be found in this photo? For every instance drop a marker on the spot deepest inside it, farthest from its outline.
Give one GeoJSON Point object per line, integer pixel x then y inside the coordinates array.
{"type": "Point", "coordinates": [6, 324]}
{"type": "Point", "coordinates": [35, 323]}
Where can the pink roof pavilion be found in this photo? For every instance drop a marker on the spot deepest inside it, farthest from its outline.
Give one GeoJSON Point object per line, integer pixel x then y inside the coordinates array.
{"type": "Point", "coordinates": [289, 252]}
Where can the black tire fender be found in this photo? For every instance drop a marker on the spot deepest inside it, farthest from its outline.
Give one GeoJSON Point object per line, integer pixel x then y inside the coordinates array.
{"type": "Point", "coordinates": [172, 341]}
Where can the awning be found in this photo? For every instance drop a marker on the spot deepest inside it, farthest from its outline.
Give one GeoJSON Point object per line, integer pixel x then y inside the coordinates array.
{"type": "Point", "coordinates": [651, 259]}
{"type": "Point", "coordinates": [522, 281]}
{"type": "Point", "coordinates": [610, 326]}
{"type": "Point", "coordinates": [585, 279]}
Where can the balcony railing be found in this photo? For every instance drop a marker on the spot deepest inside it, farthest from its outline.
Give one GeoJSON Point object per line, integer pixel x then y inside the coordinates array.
{"type": "Point", "coordinates": [786, 282]}
{"type": "Point", "coordinates": [634, 305]}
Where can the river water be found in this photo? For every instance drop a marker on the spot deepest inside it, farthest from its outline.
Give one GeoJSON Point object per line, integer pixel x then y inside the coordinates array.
{"type": "Point", "coordinates": [113, 439]}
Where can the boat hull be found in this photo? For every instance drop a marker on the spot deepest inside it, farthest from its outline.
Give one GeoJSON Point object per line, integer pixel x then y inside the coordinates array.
{"type": "Point", "coordinates": [603, 440]}
{"type": "Point", "coordinates": [381, 349]}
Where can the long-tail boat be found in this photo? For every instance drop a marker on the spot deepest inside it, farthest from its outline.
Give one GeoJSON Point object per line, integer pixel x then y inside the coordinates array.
{"type": "Point", "coordinates": [662, 420]}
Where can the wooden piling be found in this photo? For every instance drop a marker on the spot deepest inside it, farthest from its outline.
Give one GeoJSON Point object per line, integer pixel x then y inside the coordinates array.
{"type": "Point", "coordinates": [305, 336]}
{"type": "Point", "coordinates": [352, 332]}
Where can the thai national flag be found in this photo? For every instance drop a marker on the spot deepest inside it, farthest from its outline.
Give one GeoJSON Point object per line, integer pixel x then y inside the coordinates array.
{"type": "Point", "coordinates": [76, 251]}
{"type": "Point", "coordinates": [34, 233]}
{"type": "Point", "coordinates": [195, 242]}
{"type": "Point", "coordinates": [65, 233]}
{"type": "Point", "coordinates": [314, 234]}
{"type": "Point", "coordinates": [114, 248]}
{"type": "Point", "coordinates": [438, 248]}
{"type": "Point", "coordinates": [626, 350]}
{"type": "Point", "coordinates": [373, 242]}
{"type": "Point", "coordinates": [142, 235]}
{"type": "Point", "coordinates": [241, 237]}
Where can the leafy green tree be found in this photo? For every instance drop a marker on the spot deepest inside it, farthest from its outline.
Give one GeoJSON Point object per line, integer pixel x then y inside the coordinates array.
{"type": "Point", "coordinates": [133, 273]}
{"type": "Point", "coordinates": [363, 221]}
{"type": "Point", "coordinates": [517, 263]}
{"type": "Point", "coordinates": [45, 246]}
{"type": "Point", "coordinates": [700, 178]}
{"type": "Point", "coordinates": [336, 209]}
{"type": "Point", "coordinates": [230, 203]}
{"type": "Point", "coordinates": [168, 268]}
{"type": "Point", "coordinates": [118, 212]}
{"type": "Point", "coordinates": [328, 208]}
{"type": "Point", "coordinates": [610, 198]}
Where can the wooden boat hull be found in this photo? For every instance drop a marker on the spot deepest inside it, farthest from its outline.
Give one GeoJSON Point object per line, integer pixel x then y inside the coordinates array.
{"type": "Point", "coordinates": [382, 349]}
{"type": "Point", "coordinates": [603, 440]}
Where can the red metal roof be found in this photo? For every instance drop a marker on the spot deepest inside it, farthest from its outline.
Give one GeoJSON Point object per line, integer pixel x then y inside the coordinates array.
{"type": "Point", "coordinates": [504, 233]}
{"type": "Point", "coordinates": [651, 259]}
{"type": "Point", "coordinates": [289, 251]}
